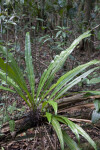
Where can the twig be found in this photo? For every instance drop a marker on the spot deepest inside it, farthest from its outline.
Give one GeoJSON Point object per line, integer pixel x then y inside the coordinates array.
{"type": "Point", "coordinates": [80, 120]}
{"type": "Point", "coordinates": [41, 62]}
{"type": "Point", "coordinates": [95, 27]}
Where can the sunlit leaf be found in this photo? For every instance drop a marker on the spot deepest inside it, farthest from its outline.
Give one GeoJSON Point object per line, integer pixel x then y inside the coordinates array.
{"type": "Point", "coordinates": [92, 92]}
{"type": "Point", "coordinates": [95, 116]}
{"type": "Point", "coordinates": [57, 63]}
{"type": "Point", "coordinates": [71, 125]}
{"type": "Point", "coordinates": [70, 142]}
{"type": "Point", "coordinates": [58, 130]}
{"type": "Point", "coordinates": [86, 136]}
{"type": "Point", "coordinates": [73, 82]}
{"type": "Point", "coordinates": [49, 116]}
{"type": "Point", "coordinates": [29, 66]}
{"type": "Point", "coordinates": [94, 81]}
{"type": "Point", "coordinates": [97, 105]}
{"type": "Point", "coordinates": [58, 33]}
{"type": "Point", "coordinates": [52, 103]}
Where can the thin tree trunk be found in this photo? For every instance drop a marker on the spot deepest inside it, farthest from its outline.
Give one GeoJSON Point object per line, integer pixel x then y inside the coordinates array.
{"type": "Point", "coordinates": [88, 45]}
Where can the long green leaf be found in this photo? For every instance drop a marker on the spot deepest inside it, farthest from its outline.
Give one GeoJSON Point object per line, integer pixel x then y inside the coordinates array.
{"type": "Point", "coordinates": [57, 64]}
{"type": "Point", "coordinates": [13, 71]}
{"type": "Point", "coordinates": [76, 129]}
{"type": "Point", "coordinates": [13, 65]}
{"type": "Point", "coordinates": [63, 80]}
{"type": "Point", "coordinates": [70, 142]}
{"type": "Point", "coordinates": [16, 87]}
{"type": "Point", "coordinates": [6, 89]}
{"type": "Point", "coordinates": [86, 136]}
{"type": "Point", "coordinates": [60, 59]}
{"type": "Point", "coordinates": [57, 128]}
{"type": "Point", "coordinates": [29, 66]}
{"type": "Point", "coordinates": [71, 125]}
{"type": "Point", "coordinates": [92, 92]}
{"type": "Point", "coordinates": [43, 79]}
{"type": "Point", "coordinates": [73, 82]}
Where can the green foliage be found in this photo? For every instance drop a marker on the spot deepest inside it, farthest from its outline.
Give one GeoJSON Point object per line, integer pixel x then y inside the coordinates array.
{"type": "Point", "coordinates": [70, 142]}
{"type": "Point", "coordinates": [52, 103]}
{"type": "Point", "coordinates": [97, 105]}
{"type": "Point", "coordinates": [62, 135]}
{"type": "Point", "coordinates": [95, 116]}
{"type": "Point", "coordinates": [58, 130]}
{"type": "Point", "coordinates": [7, 116]}
{"type": "Point", "coordinates": [47, 93]}
{"type": "Point", "coordinates": [29, 66]}
{"type": "Point", "coordinates": [94, 81]}
{"type": "Point", "coordinates": [62, 32]}
{"type": "Point", "coordinates": [12, 125]}
{"type": "Point", "coordinates": [56, 43]}
{"type": "Point", "coordinates": [7, 89]}
{"type": "Point", "coordinates": [96, 112]}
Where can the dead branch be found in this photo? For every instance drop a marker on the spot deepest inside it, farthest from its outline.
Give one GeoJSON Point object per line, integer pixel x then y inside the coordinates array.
{"type": "Point", "coordinates": [31, 120]}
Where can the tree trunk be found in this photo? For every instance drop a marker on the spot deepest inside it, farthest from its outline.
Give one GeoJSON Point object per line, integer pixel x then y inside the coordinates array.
{"type": "Point", "coordinates": [88, 44]}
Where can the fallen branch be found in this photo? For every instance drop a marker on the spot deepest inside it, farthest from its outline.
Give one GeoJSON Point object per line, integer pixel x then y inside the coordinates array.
{"type": "Point", "coordinates": [80, 120]}
{"type": "Point", "coordinates": [75, 99]}
{"type": "Point", "coordinates": [31, 120]}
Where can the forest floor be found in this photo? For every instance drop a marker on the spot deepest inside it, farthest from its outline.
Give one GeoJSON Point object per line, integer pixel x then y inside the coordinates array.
{"type": "Point", "coordinates": [43, 138]}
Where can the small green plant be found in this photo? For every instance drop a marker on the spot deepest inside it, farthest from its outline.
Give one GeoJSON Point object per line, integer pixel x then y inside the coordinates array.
{"type": "Point", "coordinates": [62, 32]}
{"type": "Point", "coordinates": [96, 113]}
{"type": "Point", "coordinates": [48, 93]}
{"type": "Point", "coordinates": [56, 43]}
{"type": "Point", "coordinates": [7, 115]}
